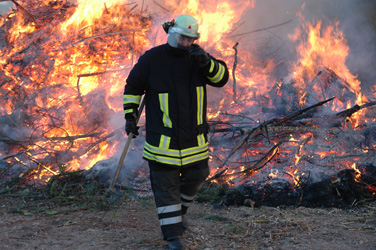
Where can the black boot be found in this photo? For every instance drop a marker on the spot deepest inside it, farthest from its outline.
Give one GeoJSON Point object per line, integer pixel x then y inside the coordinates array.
{"type": "Point", "coordinates": [175, 244]}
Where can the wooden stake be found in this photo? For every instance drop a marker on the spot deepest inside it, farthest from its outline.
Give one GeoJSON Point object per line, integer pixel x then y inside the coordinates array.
{"type": "Point", "coordinates": [126, 147]}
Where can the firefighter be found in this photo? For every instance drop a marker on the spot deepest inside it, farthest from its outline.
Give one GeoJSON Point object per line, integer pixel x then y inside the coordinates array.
{"type": "Point", "coordinates": [173, 78]}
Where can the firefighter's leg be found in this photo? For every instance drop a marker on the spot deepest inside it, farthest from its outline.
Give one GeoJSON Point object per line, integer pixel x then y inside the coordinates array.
{"type": "Point", "coordinates": [192, 178]}
{"type": "Point", "coordinates": [165, 182]}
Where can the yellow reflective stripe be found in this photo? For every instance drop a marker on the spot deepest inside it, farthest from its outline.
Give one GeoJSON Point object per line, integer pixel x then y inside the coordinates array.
{"type": "Point", "coordinates": [189, 151]}
{"type": "Point", "coordinates": [174, 152]}
{"type": "Point", "coordinates": [127, 111]}
{"type": "Point", "coordinates": [164, 142]}
{"type": "Point", "coordinates": [200, 104]}
{"type": "Point", "coordinates": [132, 99]}
{"type": "Point", "coordinates": [163, 103]}
{"type": "Point", "coordinates": [157, 150]}
{"type": "Point", "coordinates": [201, 139]}
{"type": "Point", "coordinates": [176, 157]}
{"type": "Point", "coordinates": [219, 75]}
{"type": "Point", "coordinates": [162, 159]}
{"type": "Point", "coordinates": [195, 158]}
{"type": "Point", "coordinates": [212, 64]}
{"type": "Point", "coordinates": [176, 161]}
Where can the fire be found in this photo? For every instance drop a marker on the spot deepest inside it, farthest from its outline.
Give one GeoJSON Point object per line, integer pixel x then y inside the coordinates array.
{"type": "Point", "coordinates": [358, 174]}
{"type": "Point", "coordinates": [320, 46]}
{"type": "Point", "coordinates": [65, 67]}
{"type": "Point", "coordinates": [273, 173]}
{"type": "Point", "coordinates": [322, 154]}
{"type": "Point", "coordinates": [77, 54]}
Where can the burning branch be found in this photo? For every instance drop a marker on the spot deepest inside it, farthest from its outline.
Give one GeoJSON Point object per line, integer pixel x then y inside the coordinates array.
{"type": "Point", "coordinates": [262, 29]}
{"type": "Point", "coordinates": [264, 160]}
{"type": "Point", "coordinates": [160, 6]}
{"type": "Point", "coordinates": [258, 129]}
{"type": "Point", "coordinates": [24, 10]}
{"type": "Point", "coordinates": [235, 47]}
{"type": "Point", "coordinates": [303, 111]}
{"type": "Point", "coordinates": [260, 164]}
{"type": "Point", "coordinates": [349, 112]}
{"type": "Point", "coordinates": [107, 34]}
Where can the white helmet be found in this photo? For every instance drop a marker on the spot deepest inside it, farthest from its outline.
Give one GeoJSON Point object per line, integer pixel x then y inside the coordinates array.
{"type": "Point", "coordinates": [184, 25]}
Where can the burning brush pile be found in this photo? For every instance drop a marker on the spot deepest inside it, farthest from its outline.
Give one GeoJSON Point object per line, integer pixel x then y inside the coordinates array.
{"type": "Point", "coordinates": [308, 139]}
{"type": "Point", "coordinates": [58, 81]}
{"type": "Point", "coordinates": [304, 158]}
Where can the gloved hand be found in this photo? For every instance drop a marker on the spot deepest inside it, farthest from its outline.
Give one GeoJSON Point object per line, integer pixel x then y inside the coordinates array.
{"type": "Point", "coordinates": [131, 127]}
{"type": "Point", "coordinates": [201, 57]}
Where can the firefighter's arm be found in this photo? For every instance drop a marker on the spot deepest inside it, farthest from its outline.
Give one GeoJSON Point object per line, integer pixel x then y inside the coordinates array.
{"type": "Point", "coordinates": [215, 70]}
{"type": "Point", "coordinates": [133, 91]}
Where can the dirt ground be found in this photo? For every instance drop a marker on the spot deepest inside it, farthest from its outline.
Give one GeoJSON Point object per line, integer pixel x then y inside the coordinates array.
{"type": "Point", "coordinates": [29, 223]}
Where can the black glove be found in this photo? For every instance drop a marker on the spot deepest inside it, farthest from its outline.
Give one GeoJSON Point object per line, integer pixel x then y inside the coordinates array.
{"type": "Point", "coordinates": [201, 57]}
{"type": "Point", "coordinates": [131, 127]}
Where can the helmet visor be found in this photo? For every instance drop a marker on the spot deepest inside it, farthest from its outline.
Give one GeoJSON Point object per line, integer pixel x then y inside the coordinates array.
{"type": "Point", "coordinates": [178, 40]}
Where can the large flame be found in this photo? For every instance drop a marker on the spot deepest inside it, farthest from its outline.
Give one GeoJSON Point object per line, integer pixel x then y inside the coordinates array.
{"type": "Point", "coordinates": [65, 67]}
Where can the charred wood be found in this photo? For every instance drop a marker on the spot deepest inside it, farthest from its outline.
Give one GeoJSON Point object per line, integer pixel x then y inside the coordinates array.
{"type": "Point", "coordinates": [339, 190]}
{"type": "Point", "coordinates": [24, 10]}
{"type": "Point", "coordinates": [235, 47]}
{"type": "Point", "coordinates": [260, 164]}
{"type": "Point", "coordinates": [264, 126]}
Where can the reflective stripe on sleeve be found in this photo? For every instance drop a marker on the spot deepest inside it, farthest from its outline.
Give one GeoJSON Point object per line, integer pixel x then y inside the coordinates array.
{"type": "Point", "coordinates": [128, 111]}
{"type": "Point", "coordinates": [212, 65]}
{"type": "Point", "coordinates": [219, 76]}
{"type": "Point", "coordinates": [136, 99]}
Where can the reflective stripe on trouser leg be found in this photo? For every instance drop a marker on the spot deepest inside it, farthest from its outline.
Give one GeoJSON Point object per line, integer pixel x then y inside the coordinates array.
{"type": "Point", "coordinates": [186, 201]}
{"type": "Point", "coordinates": [169, 215]}
{"type": "Point", "coordinates": [165, 182]}
{"type": "Point", "coordinates": [192, 179]}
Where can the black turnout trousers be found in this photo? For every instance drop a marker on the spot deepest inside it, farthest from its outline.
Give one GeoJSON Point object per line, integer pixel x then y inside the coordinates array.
{"type": "Point", "coordinates": [174, 190]}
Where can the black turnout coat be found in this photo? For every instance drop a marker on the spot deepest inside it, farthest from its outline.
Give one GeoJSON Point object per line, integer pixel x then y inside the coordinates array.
{"type": "Point", "coordinates": [175, 103]}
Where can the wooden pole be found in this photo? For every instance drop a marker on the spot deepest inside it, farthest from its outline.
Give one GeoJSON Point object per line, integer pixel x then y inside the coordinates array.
{"type": "Point", "coordinates": [126, 147]}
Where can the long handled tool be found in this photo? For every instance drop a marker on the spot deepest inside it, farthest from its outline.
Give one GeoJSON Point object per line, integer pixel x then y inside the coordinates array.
{"type": "Point", "coordinates": [126, 147]}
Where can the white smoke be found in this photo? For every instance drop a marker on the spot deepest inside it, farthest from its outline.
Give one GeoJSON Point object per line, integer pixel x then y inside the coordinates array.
{"type": "Point", "coordinates": [5, 7]}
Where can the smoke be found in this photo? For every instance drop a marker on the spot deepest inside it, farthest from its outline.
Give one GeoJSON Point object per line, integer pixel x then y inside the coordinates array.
{"type": "Point", "coordinates": [5, 7]}
{"type": "Point", "coordinates": [357, 19]}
